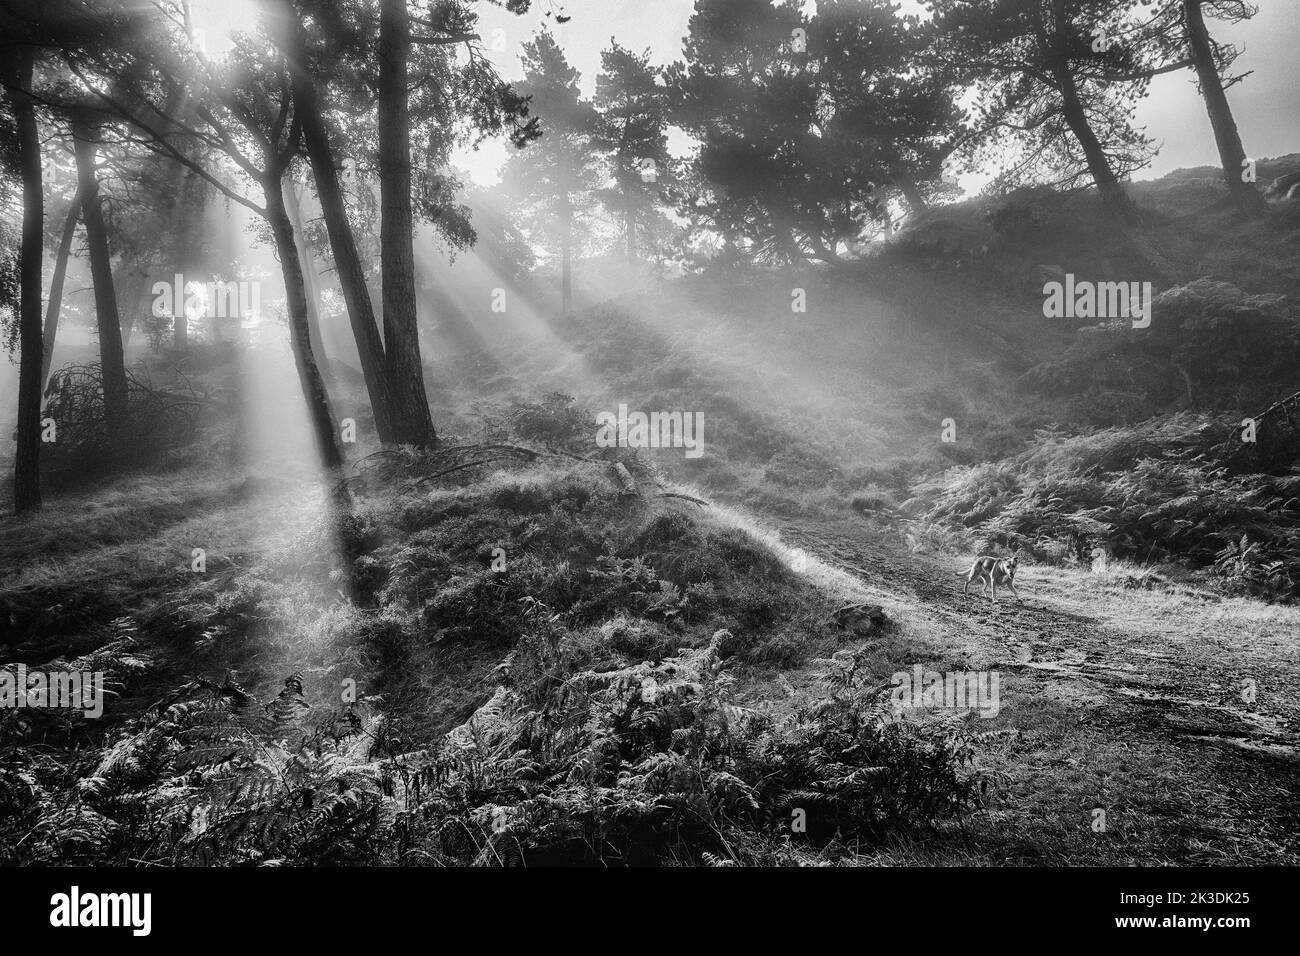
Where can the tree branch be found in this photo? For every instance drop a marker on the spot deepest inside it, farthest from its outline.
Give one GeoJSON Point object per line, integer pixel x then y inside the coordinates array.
{"type": "Point", "coordinates": [1143, 74]}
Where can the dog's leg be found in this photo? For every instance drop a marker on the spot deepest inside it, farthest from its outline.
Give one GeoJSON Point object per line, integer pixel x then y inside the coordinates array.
{"type": "Point", "coordinates": [965, 586]}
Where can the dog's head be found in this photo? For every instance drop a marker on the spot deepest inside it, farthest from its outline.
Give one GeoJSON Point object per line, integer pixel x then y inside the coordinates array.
{"type": "Point", "coordinates": [1010, 564]}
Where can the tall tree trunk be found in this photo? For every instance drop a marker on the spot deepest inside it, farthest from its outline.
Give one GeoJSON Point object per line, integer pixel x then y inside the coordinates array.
{"type": "Point", "coordinates": [313, 387]}
{"type": "Point", "coordinates": [912, 193]}
{"type": "Point", "coordinates": [1231, 153]}
{"type": "Point", "coordinates": [629, 229]}
{"type": "Point", "coordinates": [566, 257]}
{"type": "Point", "coordinates": [27, 476]}
{"type": "Point", "coordinates": [55, 305]}
{"type": "Point", "coordinates": [1108, 184]}
{"type": "Point", "coordinates": [1076, 117]}
{"type": "Point", "coordinates": [412, 423]}
{"type": "Point", "coordinates": [112, 365]}
{"type": "Point", "coordinates": [129, 280]}
{"type": "Point", "coordinates": [310, 279]}
{"type": "Point", "coordinates": [343, 245]}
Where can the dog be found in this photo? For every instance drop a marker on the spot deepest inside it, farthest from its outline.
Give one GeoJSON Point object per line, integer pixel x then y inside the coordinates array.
{"type": "Point", "coordinates": [991, 572]}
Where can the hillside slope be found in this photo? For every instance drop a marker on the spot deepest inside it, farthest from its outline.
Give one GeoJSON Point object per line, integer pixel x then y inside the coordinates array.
{"type": "Point", "coordinates": [507, 651]}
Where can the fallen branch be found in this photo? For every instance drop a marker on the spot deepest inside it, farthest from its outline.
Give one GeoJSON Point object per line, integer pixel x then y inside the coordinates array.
{"type": "Point", "coordinates": [624, 478]}
{"type": "Point", "coordinates": [415, 483]}
{"type": "Point", "coordinates": [673, 494]}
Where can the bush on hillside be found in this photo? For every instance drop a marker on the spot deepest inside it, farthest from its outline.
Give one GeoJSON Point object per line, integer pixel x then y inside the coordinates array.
{"type": "Point", "coordinates": [158, 419]}
{"type": "Point", "coordinates": [1155, 491]}
{"type": "Point", "coordinates": [1209, 345]}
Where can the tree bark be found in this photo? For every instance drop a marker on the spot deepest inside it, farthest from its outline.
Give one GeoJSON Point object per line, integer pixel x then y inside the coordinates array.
{"type": "Point", "coordinates": [629, 228]}
{"type": "Point", "coordinates": [1076, 117]}
{"type": "Point", "coordinates": [313, 387]}
{"type": "Point", "coordinates": [112, 364]}
{"type": "Point", "coordinates": [129, 280]}
{"type": "Point", "coordinates": [55, 305]}
{"type": "Point", "coordinates": [311, 284]}
{"type": "Point", "coordinates": [912, 193]}
{"type": "Point", "coordinates": [343, 245]}
{"type": "Point", "coordinates": [412, 423]}
{"type": "Point", "coordinates": [566, 257]}
{"type": "Point", "coordinates": [1232, 154]}
{"type": "Point", "coordinates": [1108, 184]}
{"type": "Point", "coordinates": [27, 477]}
{"type": "Point", "coordinates": [826, 253]}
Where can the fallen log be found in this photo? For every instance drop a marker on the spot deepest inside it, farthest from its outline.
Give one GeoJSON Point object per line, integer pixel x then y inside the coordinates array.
{"type": "Point", "coordinates": [624, 478]}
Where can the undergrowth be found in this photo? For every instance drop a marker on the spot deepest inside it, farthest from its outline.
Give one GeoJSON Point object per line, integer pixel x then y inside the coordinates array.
{"type": "Point", "coordinates": [1160, 491]}
{"type": "Point", "coordinates": [536, 668]}
{"type": "Point", "coordinates": [646, 764]}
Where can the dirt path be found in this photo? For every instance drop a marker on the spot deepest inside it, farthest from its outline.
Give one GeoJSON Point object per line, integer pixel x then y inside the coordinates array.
{"type": "Point", "coordinates": [1181, 685]}
{"type": "Point", "coordinates": [1176, 714]}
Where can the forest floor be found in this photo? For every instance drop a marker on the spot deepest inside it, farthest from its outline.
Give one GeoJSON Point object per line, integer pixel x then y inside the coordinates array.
{"type": "Point", "coordinates": [1176, 712]}
{"type": "Point", "coordinates": [1120, 698]}
{"type": "Point", "coordinates": [1127, 699]}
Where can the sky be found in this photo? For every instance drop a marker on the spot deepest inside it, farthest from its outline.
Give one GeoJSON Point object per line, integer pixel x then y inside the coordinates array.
{"type": "Point", "coordinates": [1266, 104]}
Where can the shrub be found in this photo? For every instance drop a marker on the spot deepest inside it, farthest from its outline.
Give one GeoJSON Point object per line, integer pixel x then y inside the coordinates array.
{"type": "Point", "coordinates": [1158, 490]}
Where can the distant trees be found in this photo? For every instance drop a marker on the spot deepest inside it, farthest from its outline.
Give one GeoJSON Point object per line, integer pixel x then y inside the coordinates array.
{"type": "Point", "coordinates": [892, 109]}
{"type": "Point", "coordinates": [810, 124]}
{"type": "Point", "coordinates": [609, 153]}
{"type": "Point", "coordinates": [551, 183]}
{"type": "Point", "coordinates": [745, 93]}
{"type": "Point", "coordinates": [633, 132]}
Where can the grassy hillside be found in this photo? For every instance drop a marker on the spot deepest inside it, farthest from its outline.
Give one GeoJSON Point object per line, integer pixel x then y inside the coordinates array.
{"type": "Point", "coordinates": [522, 648]}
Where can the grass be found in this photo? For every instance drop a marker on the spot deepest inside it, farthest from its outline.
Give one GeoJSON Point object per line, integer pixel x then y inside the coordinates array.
{"type": "Point", "coordinates": [418, 648]}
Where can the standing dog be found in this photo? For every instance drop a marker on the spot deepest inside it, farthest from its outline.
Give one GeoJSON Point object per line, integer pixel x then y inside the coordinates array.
{"type": "Point", "coordinates": [991, 572]}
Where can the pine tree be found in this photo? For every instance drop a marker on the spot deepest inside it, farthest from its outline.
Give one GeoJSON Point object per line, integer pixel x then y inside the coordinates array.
{"type": "Point", "coordinates": [1046, 72]}
{"type": "Point", "coordinates": [551, 182]}
{"type": "Point", "coordinates": [633, 132]}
